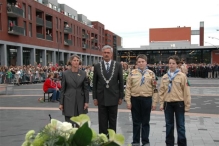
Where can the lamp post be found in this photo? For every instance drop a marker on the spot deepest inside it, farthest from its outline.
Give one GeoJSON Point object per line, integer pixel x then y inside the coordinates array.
{"type": "Point", "coordinates": [58, 50]}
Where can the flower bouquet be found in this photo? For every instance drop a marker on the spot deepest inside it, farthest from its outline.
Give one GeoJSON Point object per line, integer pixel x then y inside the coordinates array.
{"type": "Point", "coordinates": [59, 133]}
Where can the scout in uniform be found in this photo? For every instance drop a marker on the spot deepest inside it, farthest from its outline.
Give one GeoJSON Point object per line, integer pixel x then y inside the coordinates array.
{"type": "Point", "coordinates": [175, 99]}
{"type": "Point", "coordinates": [141, 96]}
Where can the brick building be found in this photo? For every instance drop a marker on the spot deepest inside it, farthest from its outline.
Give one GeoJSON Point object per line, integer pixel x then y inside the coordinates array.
{"type": "Point", "coordinates": [45, 31]}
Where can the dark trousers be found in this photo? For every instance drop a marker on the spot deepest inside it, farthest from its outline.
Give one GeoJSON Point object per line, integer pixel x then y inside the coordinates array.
{"type": "Point", "coordinates": [55, 93]}
{"type": "Point", "coordinates": [107, 116]}
{"type": "Point", "coordinates": [141, 111]}
{"type": "Point", "coordinates": [169, 109]}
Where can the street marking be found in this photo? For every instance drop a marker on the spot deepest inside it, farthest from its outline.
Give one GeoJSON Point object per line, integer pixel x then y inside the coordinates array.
{"type": "Point", "coordinates": [37, 95]}
{"type": "Point", "coordinates": [95, 110]}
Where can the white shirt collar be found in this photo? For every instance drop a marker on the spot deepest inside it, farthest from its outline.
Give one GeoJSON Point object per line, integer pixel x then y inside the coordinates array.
{"type": "Point", "coordinates": [108, 62]}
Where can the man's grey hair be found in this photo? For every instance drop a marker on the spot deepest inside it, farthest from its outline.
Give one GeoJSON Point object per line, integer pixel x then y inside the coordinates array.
{"type": "Point", "coordinates": [107, 47]}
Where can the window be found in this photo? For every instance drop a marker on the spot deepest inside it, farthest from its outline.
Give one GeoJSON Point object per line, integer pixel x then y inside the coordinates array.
{"type": "Point", "coordinates": [66, 13]}
{"type": "Point", "coordinates": [30, 30]}
{"type": "Point", "coordinates": [25, 28]}
{"type": "Point", "coordinates": [24, 10]}
{"type": "Point", "coordinates": [57, 23]}
{"type": "Point", "coordinates": [29, 13]}
{"type": "Point", "coordinates": [0, 21]}
{"type": "Point", "coordinates": [60, 37]}
{"type": "Point", "coordinates": [60, 23]}
{"type": "Point", "coordinates": [57, 36]}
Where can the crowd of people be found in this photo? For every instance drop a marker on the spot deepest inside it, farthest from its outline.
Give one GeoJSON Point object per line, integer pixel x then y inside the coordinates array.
{"type": "Point", "coordinates": [37, 73]}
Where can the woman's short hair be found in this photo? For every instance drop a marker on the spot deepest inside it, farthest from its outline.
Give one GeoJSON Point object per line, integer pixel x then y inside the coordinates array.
{"type": "Point", "coordinates": [72, 57]}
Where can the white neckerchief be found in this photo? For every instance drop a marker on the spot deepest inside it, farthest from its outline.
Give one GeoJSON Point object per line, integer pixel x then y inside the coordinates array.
{"type": "Point", "coordinates": [171, 73]}
{"type": "Point", "coordinates": [106, 65]}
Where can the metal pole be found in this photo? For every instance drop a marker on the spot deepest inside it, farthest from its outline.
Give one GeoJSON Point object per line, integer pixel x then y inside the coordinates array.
{"type": "Point", "coordinates": [90, 57]}
{"type": "Point", "coordinates": [58, 49]}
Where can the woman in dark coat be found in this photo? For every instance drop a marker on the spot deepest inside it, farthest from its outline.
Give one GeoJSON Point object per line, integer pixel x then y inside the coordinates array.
{"type": "Point", "coordinates": [74, 91]}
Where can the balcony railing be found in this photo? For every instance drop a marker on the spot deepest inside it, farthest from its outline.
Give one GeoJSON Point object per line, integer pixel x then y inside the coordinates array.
{"type": "Point", "coordinates": [94, 40]}
{"type": "Point", "coordinates": [84, 36]}
{"type": "Point", "coordinates": [39, 21]}
{"type": "Point", "coordinates": [14, 11]}
{"type": "Point", "coordinates": [95, 47]}
{"type": "Point", "coordinates": [16, 30]}
{"type": "Point", "coordinates": [67, 42]}
{"type": "Point", "coordinates": [67, 30]}
{"type": "Point", "coordinates": [84, 46]}
{"type": "Point", "coordinates": [39, 35]}
{"type": "Point", "coordinates": [48, 37]}
{"type": "Point", "coordinates": [48, 24]}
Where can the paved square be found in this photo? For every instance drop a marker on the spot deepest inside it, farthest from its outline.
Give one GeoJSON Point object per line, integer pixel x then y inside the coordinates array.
{"type": "Point", "coordinates": [21, 112]}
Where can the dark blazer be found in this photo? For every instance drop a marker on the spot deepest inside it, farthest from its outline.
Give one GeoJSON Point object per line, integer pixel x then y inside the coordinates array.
{"type": "Point", "coordinates": [74, 93]}
{"type": "Point", "coordinates": [108, 96]}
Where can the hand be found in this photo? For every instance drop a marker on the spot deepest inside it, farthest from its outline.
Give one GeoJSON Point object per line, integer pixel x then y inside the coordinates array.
{"type": "Point", "coordinates": [95, 102]}
{"type": "Point", "coordinates": [85, 106]}
{"type": "Point", "coordinates": [153, 108]}
{"type": "Point", "coordinates": [129, 106]}
{"type": "Point", "coordinates": [120, 101]}
{"type": "Point", "coordinates": [161, 108]}
{"type": "Point", "coordinates": [61, 107]}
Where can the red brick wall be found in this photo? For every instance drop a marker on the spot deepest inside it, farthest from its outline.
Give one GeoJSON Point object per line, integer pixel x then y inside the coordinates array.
{"type": "Point", "coordinates": [109, 38]}
{"type": "Point", "coordinates": [76, 35]}
{"type": "Point", "coordinates": [119, 40]}
{"type": "Point", "coordinates": [170, 34]}
{"type": "Point", "coordinates": [201, 37]}
{"type": "Point", "coordinates": [215, 56]}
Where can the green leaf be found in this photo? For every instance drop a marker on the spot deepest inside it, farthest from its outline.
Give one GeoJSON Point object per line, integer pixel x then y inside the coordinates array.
{"type": "Point", "coordinates": [83, 136]}
{"type": "Point", "coordinates": [119, 139]}
{"type": "Point", "coordinates": [60, 140]}
{"type": "Point", "coordinates": [112, 143]}
{"type": "Point", "coordinates": [81, 119]}
{"type": "Point", "coordinates": [111, 134]}
{"type": "Point", "coordinates": [94, 134]}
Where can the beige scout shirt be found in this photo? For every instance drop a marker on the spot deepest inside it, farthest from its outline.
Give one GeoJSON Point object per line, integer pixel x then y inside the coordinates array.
{"type": "Point", "coordinates": [134, 89]}
{"type": "Point", "coordinates": [180, 91]}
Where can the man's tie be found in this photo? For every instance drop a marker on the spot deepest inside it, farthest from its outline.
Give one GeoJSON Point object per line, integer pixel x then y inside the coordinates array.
{"type": "Point", "coordinates": [107, 67]}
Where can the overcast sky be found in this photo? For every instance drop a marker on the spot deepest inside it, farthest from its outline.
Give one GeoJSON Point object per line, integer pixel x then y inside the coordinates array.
{"type": "Point", "coordinates": [131, 19]}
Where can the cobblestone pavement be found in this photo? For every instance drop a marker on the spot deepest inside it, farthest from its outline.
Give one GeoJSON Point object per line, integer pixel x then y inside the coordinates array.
{"type": "Point", "coordinates": [21, 112]}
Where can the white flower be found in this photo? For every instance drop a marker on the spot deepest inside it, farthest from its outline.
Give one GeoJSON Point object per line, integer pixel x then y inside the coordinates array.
{"type": "Point", "coordinates": [66, 126]}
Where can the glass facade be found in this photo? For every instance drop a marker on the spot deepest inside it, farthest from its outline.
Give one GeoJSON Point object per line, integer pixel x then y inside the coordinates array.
{"type": "Point", "coordinates": [11, 55]}
{"type": "Point", "coordinates": [160, 56]}
{"type": "Point", "coordinates": [26, 56]}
